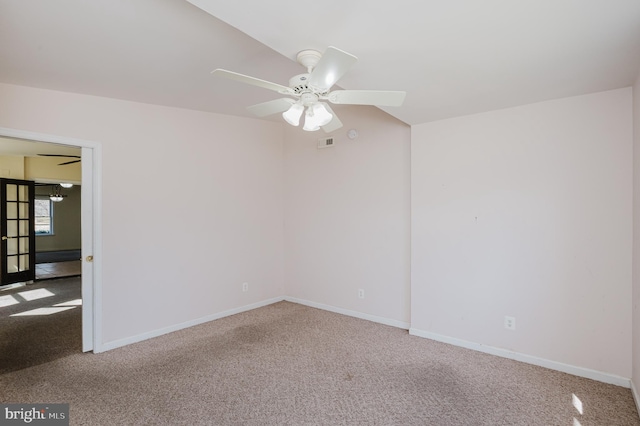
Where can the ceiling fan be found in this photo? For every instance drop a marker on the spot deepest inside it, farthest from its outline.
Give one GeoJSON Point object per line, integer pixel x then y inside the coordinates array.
{"type": "Point", "coordinates": [309, 90]}
{"type": "Point", "coordinates": [64, 156]}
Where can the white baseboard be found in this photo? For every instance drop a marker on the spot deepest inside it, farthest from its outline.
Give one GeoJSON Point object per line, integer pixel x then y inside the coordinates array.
{"type": "Point", "coordinates": [504, 353]}
{"type": "Point", "coordinates": [636, 396]}
{"type": "Point", "coordinates": [529, 359]}
{"type": "Point", "coordinates": [149, 335]}
{"type": "Point", "coordinates": [356, 314]}
{"type": "Point", "coordinates": [144, 336]}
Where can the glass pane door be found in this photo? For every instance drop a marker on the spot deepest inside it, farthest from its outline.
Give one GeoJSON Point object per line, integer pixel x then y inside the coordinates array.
{"type": "Point", "coordinates": [18, 231]}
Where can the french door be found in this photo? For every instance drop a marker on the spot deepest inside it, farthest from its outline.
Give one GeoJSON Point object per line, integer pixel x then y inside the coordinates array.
{"type": "Point", "coordinates": [17, 227]}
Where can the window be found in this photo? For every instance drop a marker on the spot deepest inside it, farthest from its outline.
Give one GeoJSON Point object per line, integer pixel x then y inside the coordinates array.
{"type": "Point", "coordinates": [44, 216]}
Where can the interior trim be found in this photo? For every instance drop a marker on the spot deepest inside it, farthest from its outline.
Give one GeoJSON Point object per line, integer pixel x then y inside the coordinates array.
{"type": "Point", "coordinates": [381, 320]}
{"type": "Point", "coordinates": [529, 359]}
{"type": "Point", "coordinates": [91, 230]}
{"type": "Point", "coordinates": [170, 329]}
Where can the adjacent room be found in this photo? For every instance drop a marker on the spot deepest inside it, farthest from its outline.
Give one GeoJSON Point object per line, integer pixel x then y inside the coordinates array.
{"type": "Point", "coordinates": [41, 266]}
{"type": "Point", "coordinates": [407, 214]}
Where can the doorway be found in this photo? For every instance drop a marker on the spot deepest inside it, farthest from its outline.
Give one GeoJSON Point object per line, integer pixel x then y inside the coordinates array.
{"type": "Point", "coordinates": [90, 228]}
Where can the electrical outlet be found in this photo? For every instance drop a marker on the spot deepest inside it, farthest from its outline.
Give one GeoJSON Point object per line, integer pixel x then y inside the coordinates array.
{"type": "Point", "coordinates": [361, 293]}
{"type": "Point", "coordinates": [245, 286]}
{"type": "Point", "coordinates": [510, 323]}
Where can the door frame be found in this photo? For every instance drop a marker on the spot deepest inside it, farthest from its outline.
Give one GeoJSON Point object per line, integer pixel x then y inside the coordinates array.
{"type": "Point", "coordinates": [91, 228]}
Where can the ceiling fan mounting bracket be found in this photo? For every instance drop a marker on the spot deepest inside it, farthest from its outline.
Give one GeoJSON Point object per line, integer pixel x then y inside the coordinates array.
{"type": "Point", "coordinates": [308, 58]}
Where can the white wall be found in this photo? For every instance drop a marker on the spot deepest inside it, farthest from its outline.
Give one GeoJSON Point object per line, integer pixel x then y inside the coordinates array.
{"type": "Point", "coordinates": [636, 240]}
{"type": "Point", "coordinates": [192, 204]}
{"type": "Point", "coordinates": [347, 216]}
{"type": "Point", "coordinates": [523, 212]}
{"type": "Point", "coordinates": [526, 212]}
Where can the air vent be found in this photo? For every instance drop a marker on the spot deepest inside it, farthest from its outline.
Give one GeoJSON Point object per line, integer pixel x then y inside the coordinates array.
{"type": "Point", "coordinates": [325, 142]}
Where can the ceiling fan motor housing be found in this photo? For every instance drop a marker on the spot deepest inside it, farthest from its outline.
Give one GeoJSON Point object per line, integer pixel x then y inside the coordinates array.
{"type": "Point", "coordinates": [299, 83]}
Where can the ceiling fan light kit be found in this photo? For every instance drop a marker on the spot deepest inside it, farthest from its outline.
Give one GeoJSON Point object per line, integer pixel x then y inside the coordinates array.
{"type": "Point", "coordinates": [293, 114]}
{"type": "Point", "coordinates": [56, 196]}
{"type": "Point", "coordinates": [310, 89]}
{"type": "Point", "coordinates": [316, 117]}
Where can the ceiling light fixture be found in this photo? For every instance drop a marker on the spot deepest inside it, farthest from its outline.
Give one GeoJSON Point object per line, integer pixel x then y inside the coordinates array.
{"type": "Point", "coordinates": [293, 114]}
{"type": "Point", "coordinates": [66, 185]}
{"type": "Point", "coordinates": [316, 117]}
{"type": "Point", "coordinates": [56, 196]}
{"type": "Point", "coordinates": [310, 124]}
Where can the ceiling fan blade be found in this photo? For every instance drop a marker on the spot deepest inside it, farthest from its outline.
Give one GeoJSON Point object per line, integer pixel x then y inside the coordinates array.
{"type": "Point", "coordinates": [59, 155]}
{"type": "Point", "coordinates": [69, 162]}
{"type": "Point", "coordinates": [253, 81]}
{"type": "Point", "coordinates": [335, 122]}
{"type": "Point", "coordinates": [271, 107]}
{"type": "Point", "coordinates": [333, 64]}
{"type": "Point", "coordinates": [367, 97]}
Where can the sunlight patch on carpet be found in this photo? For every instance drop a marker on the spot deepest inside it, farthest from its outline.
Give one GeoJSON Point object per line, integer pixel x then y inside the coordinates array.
{"type": "Point", "coordinates": [576, 403]}
{"type": "Point", "coordinates": [8, 301]}
{"type": "Point", "coordinates": [40, 293]}
{"type": "Point", "coordinates": [75, 302]}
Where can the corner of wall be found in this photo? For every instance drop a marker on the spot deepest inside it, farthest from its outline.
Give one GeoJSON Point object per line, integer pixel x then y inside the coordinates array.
{"type": "Point", "coordinates": [636, 396]}
{"type": "Point", "coordinates": [635, 299]}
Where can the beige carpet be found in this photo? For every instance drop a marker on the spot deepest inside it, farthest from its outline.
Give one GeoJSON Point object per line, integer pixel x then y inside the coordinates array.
{"type": "Point", "coordinates": [288, 364]}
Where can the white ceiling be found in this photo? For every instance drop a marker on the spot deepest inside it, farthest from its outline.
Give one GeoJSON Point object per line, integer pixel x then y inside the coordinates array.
{"type": "Point", "coordinates": [452, 57]}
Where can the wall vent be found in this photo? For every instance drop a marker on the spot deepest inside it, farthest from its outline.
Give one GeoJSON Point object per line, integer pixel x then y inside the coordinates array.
{"type": "Point", "coordinates": [325, 142]}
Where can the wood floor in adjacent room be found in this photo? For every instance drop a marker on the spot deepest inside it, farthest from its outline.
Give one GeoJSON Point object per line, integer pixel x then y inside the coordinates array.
{"type": "Point", "coordinates": [49, 270]}
{"type": "Point", "coordinates": [288, 364]}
